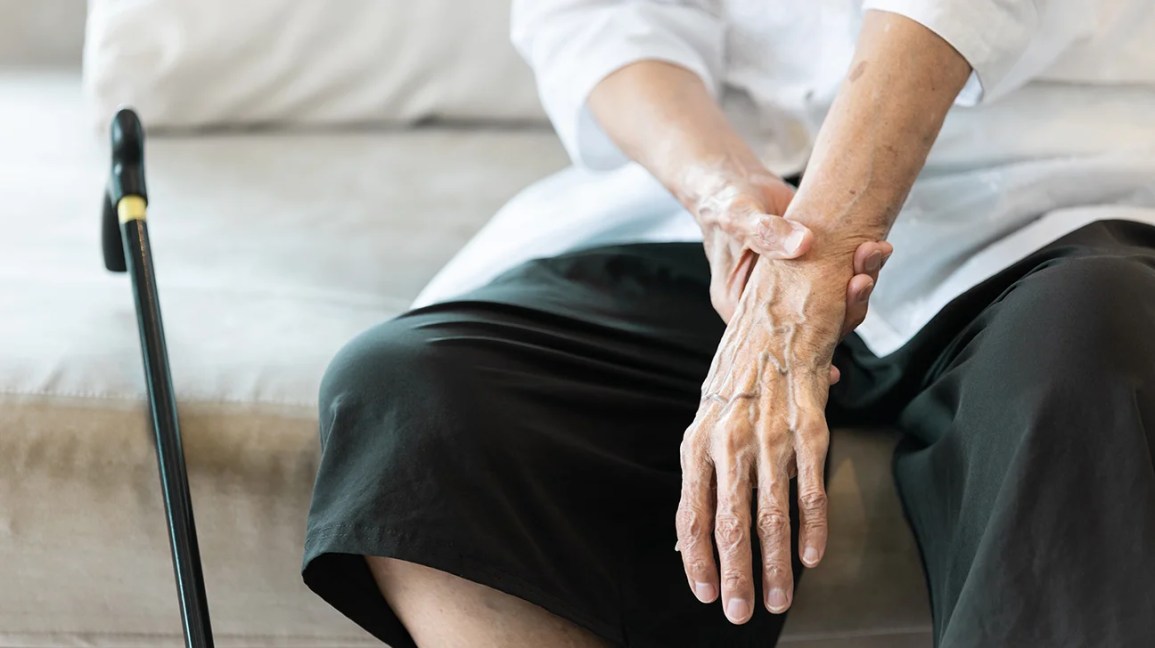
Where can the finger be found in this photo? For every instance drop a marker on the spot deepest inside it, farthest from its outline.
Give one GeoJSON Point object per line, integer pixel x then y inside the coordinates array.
{"type": "Point", "coordinates": [835, 375]}
{"type": "Point", "coordinates": [773, 525]}
{"type": "Point", "coordinates": [871, 256]}
{"type": "Point", "coordinates": [732, 535]}
{"type": "Point", "coordinates": [775, 237]}
{"type": "Point", "coordinates": [723, 302]}
{"type": "Point", "coordinates": [811, 445]}
{"type": "Point", "coordinates": [858, 292]}
{"type": "Point", "coordinates": [695, 520]}
{"type": "Point", "coordinates": [887, 251]}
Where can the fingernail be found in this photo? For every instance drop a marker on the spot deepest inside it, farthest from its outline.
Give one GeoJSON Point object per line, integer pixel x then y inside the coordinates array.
{"type": "Point", "coordinates": [864, 294]}
{"type": "Point", "coordinates": [705, 592]}
{"type": "Point", "coordinates": [777, 601]}
{"type": "Point", "coordinates": [810, 556]}
{"type": "Point", "coordinates": [738, 610]}
{"type": "Point", "coordinates": [794, 241]}
{"type": "Point", "coordinates": [874, 261]}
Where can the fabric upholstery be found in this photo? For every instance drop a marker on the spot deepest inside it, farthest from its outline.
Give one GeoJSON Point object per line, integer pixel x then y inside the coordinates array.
{"type": "Point", "coordinates": [272, 249]}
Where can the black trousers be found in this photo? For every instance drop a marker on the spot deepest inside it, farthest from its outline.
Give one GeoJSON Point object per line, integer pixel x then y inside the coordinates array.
{"type": "Point", "coordinates": [526, 437]}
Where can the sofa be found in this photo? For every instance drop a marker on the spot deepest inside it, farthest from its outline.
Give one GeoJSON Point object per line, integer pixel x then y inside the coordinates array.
{"type": "Point", "coordinates": [273, 247]}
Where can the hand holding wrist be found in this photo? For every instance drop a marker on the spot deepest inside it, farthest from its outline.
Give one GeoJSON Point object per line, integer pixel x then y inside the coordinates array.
{"type": "Point", "coordinates": [840, 223]}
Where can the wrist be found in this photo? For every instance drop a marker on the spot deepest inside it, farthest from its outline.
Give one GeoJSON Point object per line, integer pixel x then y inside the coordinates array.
{"type": "Point", "coordinates": [809, 293]}
{"type": "Point", "coordinates": [813, 275]}
{"type": "Point", "coordinates": [706, 169]}
{"type": "Point", "coordinates": [839, 226]}
{"type": "Point", "coordinates": [707, 177]}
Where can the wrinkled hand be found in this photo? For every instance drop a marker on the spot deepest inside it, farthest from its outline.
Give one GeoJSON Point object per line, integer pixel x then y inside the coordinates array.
{"type": "Point", "coordinates": [741, 221]}
{"type": "Point", "coordinates": [761, 421]}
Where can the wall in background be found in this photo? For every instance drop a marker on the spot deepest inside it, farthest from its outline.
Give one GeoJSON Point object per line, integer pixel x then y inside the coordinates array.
{"type": "Point", "coordinates": [41, 33]}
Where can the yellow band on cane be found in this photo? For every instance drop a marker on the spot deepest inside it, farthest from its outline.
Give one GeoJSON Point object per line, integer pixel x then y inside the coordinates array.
{"type": "Point", "coordinates": [131, 208]}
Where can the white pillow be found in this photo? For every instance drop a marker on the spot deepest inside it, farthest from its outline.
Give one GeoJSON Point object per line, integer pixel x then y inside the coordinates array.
{"type": "Point", "coordinates": [192, 63]}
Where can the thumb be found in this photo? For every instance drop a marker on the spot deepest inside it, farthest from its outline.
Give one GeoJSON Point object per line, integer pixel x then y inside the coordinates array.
{"type": "Point", "coordinates": [778, 238]}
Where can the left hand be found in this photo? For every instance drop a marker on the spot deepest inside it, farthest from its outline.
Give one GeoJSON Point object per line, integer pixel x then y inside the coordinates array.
{"type": "Point", "coordinates": [762, 421]}
{"type": "Point", "coordinates": [741, 219]}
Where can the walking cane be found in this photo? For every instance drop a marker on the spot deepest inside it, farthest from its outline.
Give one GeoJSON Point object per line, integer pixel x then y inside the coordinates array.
{"type": "Point", "coordinates": [126, 247]}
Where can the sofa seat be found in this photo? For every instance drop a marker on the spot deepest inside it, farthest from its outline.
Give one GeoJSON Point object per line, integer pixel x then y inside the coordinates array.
{"type": "Point", "coordinates": [272, 249]}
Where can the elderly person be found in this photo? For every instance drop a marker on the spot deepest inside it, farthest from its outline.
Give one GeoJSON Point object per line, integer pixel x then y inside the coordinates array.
{"type": "Point", "coordinates": [637, 354]}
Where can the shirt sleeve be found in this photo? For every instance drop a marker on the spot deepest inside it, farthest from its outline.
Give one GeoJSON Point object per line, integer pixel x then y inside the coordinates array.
{"type": "Point", "coordinates": [573, 44]}
{"type": "Point", "coordinates": [1007, 42]}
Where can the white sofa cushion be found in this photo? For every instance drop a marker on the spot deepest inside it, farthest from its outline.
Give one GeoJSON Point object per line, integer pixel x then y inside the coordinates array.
{"type": "Point", "coordinates": [223, 62]}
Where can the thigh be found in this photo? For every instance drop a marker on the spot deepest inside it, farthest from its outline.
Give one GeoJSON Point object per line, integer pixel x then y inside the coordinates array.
{"type": "Point", "coordinates": [1056, 333]}
{"type": "Point", "coordinates": [1028, 456]}
{"type": "Point", "coordinates": [526, 436]}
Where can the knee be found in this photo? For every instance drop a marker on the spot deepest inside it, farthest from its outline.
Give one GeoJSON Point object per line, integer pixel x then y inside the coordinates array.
{"type": "Point", "coordinates": [369, 367]}
{"type": "Point", "coordinates": [391, 375]}
{"type": "Point", "coordinates": [421, 384]}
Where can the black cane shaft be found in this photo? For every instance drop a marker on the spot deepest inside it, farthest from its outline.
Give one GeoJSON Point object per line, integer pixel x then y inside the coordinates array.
{"type": "Point", "coordinates": [170, 453]}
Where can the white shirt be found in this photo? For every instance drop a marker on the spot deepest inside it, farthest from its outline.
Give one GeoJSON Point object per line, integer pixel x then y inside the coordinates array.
{"type": "Point", "coordinates": [1054, 130]}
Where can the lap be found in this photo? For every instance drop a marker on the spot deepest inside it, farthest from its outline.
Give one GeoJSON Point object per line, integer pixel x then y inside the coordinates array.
{"type": "Point", "coordinates": [526, 436]}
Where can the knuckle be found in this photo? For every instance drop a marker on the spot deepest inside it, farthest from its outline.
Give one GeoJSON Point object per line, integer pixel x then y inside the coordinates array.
{"type": "Point", "coordinates": [735, 577]}
{"type": "Point", "coordinates": [689, 446]}
{"type": "Point", "coordinates": [814, 444]}
{"type": "Point", "coordinates": [729, 219]}
{"type": "Point", "coordinates": [741, 204]}
{"type": "Point", "coordinates": [694, 452]}
{"type": "Point", "coordinates": [689, 523]}
{"type": "Point", "coordinates": [815, 526]}
{"type": "Point", "coordinates": [732, 448]}
{"type": "Point", "coordinates": [812, 503]}
{"type": "Point", "coordinates": [730, 532]}
{"type": "Point", "coordinates": [777, 571]}
{"type": "Point", "coordinates": [772, 523]}
{"type": "Point", "coordinates": [765, 232]}
{"type": "Point", "coordinates": [699, 569]}
{"type": "Point", "coordinates": [707, 213]}
{"type": "Point", "coordinates": [774, 566]}
{"type": "Point", "coordinates": [775, 443]}
{"type": "Point", "coordinates": [689, 451]}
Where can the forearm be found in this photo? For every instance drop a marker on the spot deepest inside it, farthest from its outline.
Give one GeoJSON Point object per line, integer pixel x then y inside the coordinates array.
{"type": "Point", "coordinates": [663, 117]}
{"type": "Point", "coordinates": [875, 140]}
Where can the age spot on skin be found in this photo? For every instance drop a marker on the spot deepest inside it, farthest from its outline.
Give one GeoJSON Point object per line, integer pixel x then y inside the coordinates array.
{"type": "Point", "coordinates": [857, 71]}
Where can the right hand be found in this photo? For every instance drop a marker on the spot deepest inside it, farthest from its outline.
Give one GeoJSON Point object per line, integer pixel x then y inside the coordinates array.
{"type": "Point", "coordinates": [741, 220]}
{"type": "Point", "coordinates": [761, 423]}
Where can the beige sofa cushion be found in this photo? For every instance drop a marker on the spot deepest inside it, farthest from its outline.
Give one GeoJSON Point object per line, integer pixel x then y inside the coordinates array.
{"type": "Point", "coordinates": [271, 251]}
